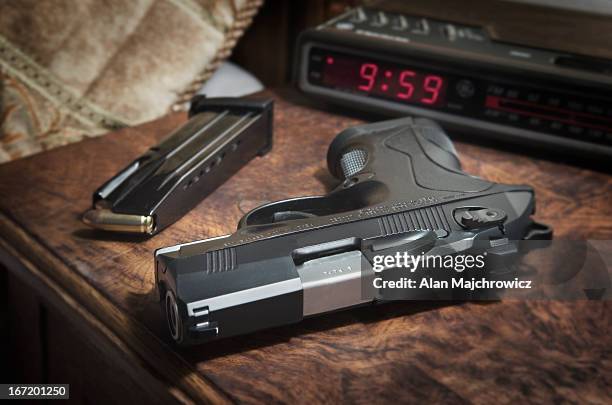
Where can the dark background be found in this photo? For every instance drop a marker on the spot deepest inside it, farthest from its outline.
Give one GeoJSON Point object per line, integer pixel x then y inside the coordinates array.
{"type": "Point", "coordinates": [266, 50]}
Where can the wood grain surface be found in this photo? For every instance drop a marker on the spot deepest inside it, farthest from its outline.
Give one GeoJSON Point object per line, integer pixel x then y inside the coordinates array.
{"type": "Point", "coordinates": [495, 352]}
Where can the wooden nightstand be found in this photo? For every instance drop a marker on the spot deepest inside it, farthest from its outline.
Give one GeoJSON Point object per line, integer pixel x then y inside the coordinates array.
{"type": "Point", "coordinates": [83, 308]}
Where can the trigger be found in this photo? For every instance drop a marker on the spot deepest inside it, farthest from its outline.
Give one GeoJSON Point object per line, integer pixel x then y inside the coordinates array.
{"type": "Point", "coordinates": [291, 215]}
{"type": "Point", "coordinates": [279, 211]}
{"type": "Point", "coordinates": [253, 216]}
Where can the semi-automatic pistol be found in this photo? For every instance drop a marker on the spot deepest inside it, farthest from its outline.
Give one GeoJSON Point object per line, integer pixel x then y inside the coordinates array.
{"type": "Point", "coordinates": [401, 190]}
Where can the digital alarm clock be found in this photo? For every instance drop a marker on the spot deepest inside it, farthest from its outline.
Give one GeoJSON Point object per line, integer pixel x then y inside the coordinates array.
{"type": "Point", "coordinates": [394, 64]}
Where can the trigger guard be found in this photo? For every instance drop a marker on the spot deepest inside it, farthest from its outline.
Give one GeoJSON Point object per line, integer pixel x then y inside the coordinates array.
{"type": "Point", "coordinates": [278, 211]}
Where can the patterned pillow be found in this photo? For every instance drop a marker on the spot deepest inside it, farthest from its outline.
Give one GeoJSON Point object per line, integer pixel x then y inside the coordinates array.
{"type": "Point", "coordinates": [73, 69]}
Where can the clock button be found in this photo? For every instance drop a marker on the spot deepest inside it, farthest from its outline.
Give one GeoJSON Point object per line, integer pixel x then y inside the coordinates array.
{"type": "Point", "coordinates": [465, 88]}
{"type": "Point", "coordinates": [450, 32]}
{"type": "Point", "coordinates": [379, 20]}
{"type": "Point", "coordinates": [400, 23]}
{"type": "Point", "coordinates": [346, 26]}
{"type": "Point", "coordinates": [421, 27]}
{"type": "Point", "coordinates": [359, 16]}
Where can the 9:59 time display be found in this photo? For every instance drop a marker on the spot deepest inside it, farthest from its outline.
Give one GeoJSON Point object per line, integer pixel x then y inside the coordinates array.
{"type": "Point", "coordinates": [383, 80]}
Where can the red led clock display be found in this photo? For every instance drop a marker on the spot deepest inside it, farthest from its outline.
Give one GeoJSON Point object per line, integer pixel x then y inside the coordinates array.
{"type": "Point", "coordinates": [384, 80]}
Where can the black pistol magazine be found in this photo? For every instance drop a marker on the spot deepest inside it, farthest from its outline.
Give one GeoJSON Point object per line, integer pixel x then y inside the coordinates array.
{"type": "Point", "coordinates": [162, 185]}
